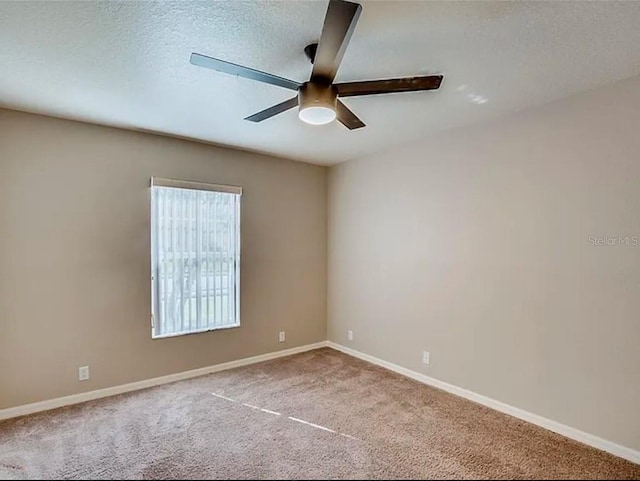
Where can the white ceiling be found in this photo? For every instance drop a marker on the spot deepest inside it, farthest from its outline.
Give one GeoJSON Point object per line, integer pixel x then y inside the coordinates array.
{"type": "Point", "coordinates": [127, 64]}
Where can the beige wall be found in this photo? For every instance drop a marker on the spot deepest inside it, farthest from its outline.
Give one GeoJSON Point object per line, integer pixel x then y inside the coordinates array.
{"type": "Point", "coordinates": [475, 245]}
{"type": "Point", "coordinates": [74, 255]}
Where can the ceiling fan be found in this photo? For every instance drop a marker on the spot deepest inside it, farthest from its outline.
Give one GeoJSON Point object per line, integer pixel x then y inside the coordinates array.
{"type": "Point", "coordinates": [318, 99]}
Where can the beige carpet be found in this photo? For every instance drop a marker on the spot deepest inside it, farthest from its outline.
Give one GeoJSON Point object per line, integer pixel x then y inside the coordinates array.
{"type": "Point", "coordinates": [317, 415]}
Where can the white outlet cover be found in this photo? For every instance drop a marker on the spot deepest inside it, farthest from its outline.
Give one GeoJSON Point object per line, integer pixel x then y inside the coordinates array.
{"type": "Point", "coordinates": [426, 357]}
{"type": "Point", "coordinates": [83, 373]}
{"type": "Point", "coordinates": [281, 336]}
{"type": "Point", "coordinates": [350, 335]}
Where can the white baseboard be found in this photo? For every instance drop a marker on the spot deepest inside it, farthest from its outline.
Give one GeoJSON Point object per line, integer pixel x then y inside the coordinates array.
{"type": "Point", "coordinates": [572, 433]}
{"type": "Point", "coordinates": [146, 383]}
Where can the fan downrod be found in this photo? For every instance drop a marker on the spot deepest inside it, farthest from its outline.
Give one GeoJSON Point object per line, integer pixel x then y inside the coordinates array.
{"type": "Point", "coordinates": [310, 51]}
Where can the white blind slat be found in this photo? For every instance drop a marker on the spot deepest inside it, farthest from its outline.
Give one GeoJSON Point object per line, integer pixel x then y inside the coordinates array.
{"type": "Point", "coordinates": [207, 216]}
{"type": "Point", "coordinates": [216, 264]}
{"type": "Point", "coordinates": [197, 231]}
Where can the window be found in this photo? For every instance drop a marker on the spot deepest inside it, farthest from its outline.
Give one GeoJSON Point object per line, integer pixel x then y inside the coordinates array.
{"type": "Point", "coordinates": [195, 257]}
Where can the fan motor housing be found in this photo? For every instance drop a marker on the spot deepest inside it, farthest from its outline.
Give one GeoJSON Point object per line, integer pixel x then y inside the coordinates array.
{"type": "Point", "coordinates": [314, 94]}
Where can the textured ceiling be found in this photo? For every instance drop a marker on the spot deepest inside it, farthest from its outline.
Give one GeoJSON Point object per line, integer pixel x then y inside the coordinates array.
{"type": "Point", "coordinates": [127, 64]}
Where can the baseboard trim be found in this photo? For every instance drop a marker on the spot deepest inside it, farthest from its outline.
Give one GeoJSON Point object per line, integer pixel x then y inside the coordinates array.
{"type": "Point", "coordinates": [146, 383]}
{"type": "Point", "coordinates": [572, 433]}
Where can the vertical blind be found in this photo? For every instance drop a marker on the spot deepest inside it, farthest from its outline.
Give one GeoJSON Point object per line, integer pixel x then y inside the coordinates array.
{"type": "Point", "coordinates": [195, 256]}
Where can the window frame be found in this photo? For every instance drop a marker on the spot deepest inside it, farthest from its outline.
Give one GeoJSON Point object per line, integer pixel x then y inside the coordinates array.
{"type": "Point", "coordinates": [155, 285]}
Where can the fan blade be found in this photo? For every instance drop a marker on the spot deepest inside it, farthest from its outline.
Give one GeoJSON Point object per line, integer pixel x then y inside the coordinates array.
{"type": "Point", "coordinates": [388, 86]}
{"type": "Point", "coordinates": [275, 110]}
{"type": "Point", "coordinates": [339, 24]}
{"type": "Point", "coordinates": [347, 117]}
{"type": "Point", "coordinates": [239, 70]}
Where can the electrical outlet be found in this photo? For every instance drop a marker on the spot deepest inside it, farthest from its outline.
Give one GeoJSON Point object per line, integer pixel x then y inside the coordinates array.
{"type": "Point", "coordinates": [83, 373]}
{"type": "Point", "coordinates": [350, 335]}
{"type": "Point", "coordinates": [281, 337]}
{"type": "Point", "coordinates": [426, 357]}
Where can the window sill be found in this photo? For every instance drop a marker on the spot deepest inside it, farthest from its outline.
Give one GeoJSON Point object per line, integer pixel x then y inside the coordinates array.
{"type": "Point", "coordinates": [199, 331]}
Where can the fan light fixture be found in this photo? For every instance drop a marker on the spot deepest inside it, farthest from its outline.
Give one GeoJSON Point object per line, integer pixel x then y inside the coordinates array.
{"type": "Point", "coordinates": [317, 103]}
{"type": "Point", "coordinates": [317, 115]}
